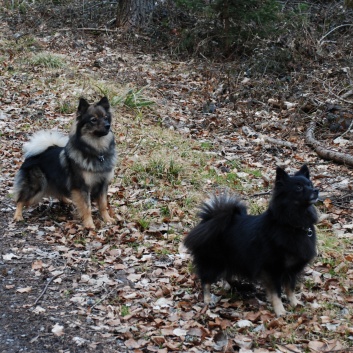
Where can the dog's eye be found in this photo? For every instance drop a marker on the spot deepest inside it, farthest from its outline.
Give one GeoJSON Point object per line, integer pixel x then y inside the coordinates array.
{"type": "Point", "coordinates": [93, 120]}
{"type": "Point", "coordinates": [299, 187]}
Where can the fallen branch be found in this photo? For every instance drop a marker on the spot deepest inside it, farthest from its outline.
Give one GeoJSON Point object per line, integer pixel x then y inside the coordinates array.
{"type": "Point", "coordinates": [46, 287]}
{"type": "Point", "coordinates": [332, 30]}
{"type": "Point", "coordinates": [263, 138]}
{"type": "Point", "coordinates": [104, 297]}
{"type": "Point", "coordinates": [323, 152]}
{"type": "Point", "coordinates": [348, 130]}
{"type": "Point", "coordinates": [261, 194]}
{"type": "Point", "coordinates": [339, 97]}
{"type": "Point", "coordinates": [279, 142]}
{"type": "Point", "coordinates": [89, 30]}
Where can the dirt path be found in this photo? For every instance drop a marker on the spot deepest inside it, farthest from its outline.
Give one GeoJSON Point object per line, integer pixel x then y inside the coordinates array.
{"type": "Point", "coordinates": [26, 327]}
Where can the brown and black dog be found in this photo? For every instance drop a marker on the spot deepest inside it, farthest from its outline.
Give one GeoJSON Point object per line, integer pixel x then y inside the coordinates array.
{"type": "Point", "coordinates": [77, 167]}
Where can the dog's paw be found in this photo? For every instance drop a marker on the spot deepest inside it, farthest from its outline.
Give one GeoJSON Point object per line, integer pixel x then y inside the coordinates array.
{"type": "Point", "coordinates": [89, 224]}
{"type": "Point", "coordinates": [18, 218]}
{"type": "Point", "coordinates": [109, 220]}
{"type": "Point", "coordinates": [278, 306]}
{"type": "Point", "coordinates": [296, 303]}
{"type": "Point", "coordinates": [280, 312]}
{"type": "Point", "coordinates": [211, 299]}
{"type": "Point", "coordinates": [226, 285]}
{"type": "Point", "coordinates": [293, 301]}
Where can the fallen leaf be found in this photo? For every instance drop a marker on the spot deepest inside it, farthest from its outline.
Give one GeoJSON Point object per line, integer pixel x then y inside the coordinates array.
{"type": "Point", "coordinates": [179, 332]}
{"type": "Point", "coordinates": [58, 330]}
{"type": "Point", "coordinates": [8, 257]}
{"type": "Point", "coordinates": [24, 290]}
{"type": "Point", "coordinates": [37, 265]}
{"type": "Point", "coordinates": [39, 310]}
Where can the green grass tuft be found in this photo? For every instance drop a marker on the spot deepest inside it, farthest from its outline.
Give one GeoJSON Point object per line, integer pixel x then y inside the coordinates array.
{"type": "Point", "coordinates": [48, 60]}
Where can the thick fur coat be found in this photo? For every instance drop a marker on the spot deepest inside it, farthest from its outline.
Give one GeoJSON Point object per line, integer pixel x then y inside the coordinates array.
{"type": "Point", "coordinates": [273, 247]}
{"type": "Point", "coordinates": [78, 167]}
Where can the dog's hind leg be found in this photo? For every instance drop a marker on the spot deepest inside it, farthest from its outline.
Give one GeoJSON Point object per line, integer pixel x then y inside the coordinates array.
{"type": "Point", "coordinates": [29, 188]}
{"type": "Point", "coordinates": [82, 201]}
{"type": "Point", "coordinates": [293, 301]}
{"type": "Point", "coordinates": [65, 200]}
{"type": "Point", "coordinates": [207, 298]}
{"type": "Point", "coordinates": [291, 297]}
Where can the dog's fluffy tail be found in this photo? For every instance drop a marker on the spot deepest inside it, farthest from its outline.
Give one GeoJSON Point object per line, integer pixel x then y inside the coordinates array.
{"type": "Point", "coordinates": [217, 214]}
{"type": "Point", "coordinates": [42, 140]}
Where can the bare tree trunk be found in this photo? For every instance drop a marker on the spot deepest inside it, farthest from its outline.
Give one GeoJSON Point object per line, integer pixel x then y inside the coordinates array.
{"type": "Point", "coordinates": [134, 13]}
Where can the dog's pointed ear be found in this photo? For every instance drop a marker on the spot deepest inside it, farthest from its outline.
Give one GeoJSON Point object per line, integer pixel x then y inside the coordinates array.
{"type": "Point", "coordinates": [82, 107]}
{"type": "Point", "coordinates": [304, 171]}
{"type": "Point", "coordinates": [281, 174]}
{"type": "Point", "coordinates": [104, 102]}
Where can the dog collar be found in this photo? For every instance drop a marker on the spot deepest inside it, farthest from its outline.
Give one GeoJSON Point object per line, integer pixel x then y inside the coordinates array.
{"type": "Point", "coordinates": [309, 232]}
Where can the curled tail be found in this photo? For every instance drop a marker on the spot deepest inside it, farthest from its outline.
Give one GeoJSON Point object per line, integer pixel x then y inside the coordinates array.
{"type": "Point", "coordinates": [217, 214]}
{"type": "Point", "coordinates": [42, 140]}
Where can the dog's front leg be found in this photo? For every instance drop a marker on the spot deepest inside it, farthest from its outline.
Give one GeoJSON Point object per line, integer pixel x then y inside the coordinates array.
{"type": "Point", "coordinates": [276, 303]}
{"type": "Point", "coordinates": [273, 291]}
{"type": "Point", "coordinates": [103, 205]}
{"type": "Point", "coordinates": [82, 201]}
{"type": "Point", "coordinates": [18, 214]}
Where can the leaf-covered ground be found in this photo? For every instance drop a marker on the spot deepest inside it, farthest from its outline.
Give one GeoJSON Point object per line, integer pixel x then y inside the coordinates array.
{"type": "Point", "coordinates": [129, 287]}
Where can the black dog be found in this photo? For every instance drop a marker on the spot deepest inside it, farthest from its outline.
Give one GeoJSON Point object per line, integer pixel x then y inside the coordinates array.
{"type": "Point", "coordinates": [273, 247]}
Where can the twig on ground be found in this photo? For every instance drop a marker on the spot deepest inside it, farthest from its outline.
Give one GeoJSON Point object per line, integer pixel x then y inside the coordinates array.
{"type": "Point", "coordinates": [46, 287]}
{"type": "Point", "coordinates": [261, 194]}
{"type": "Point", "coordinates": [349, 129]}
{"type": "Point", "coordinates": [89, 29]}
{"type": "Point", "coordinates": [340, 98]}
{"type": "Point", "coordinates": [104, 297]}
{"type": "Point", "coordinates": [332, 30]}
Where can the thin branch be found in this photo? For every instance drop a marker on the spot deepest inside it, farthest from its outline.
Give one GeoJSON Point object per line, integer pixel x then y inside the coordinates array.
{"type": "Point", "coordinates": [46, 287]}
{"type": "Point", "coordinates": [332, 30]}
{"type": "Point", "coordinates": [348, 130]}
{"type": "Point", "coordinates": [261, 194]}
{"type": "Point", "coordinates": [89, 29]}
{"type": "Point", "coordinates": [338, 97]}
{"type": "Point", "coordinates": [104, 297]}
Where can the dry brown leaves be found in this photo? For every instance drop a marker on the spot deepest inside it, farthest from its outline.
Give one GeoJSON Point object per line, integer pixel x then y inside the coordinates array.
{"type": "Point", "coordinates": [132, 283]}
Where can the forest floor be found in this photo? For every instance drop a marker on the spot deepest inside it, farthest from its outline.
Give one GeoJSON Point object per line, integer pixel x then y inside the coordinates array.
{"type": "Point", "coordinates": [128, 287]}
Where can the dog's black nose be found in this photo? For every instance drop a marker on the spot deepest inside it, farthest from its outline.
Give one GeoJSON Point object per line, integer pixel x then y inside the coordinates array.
{"type": "Point", "coordinates": [107, 125]}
